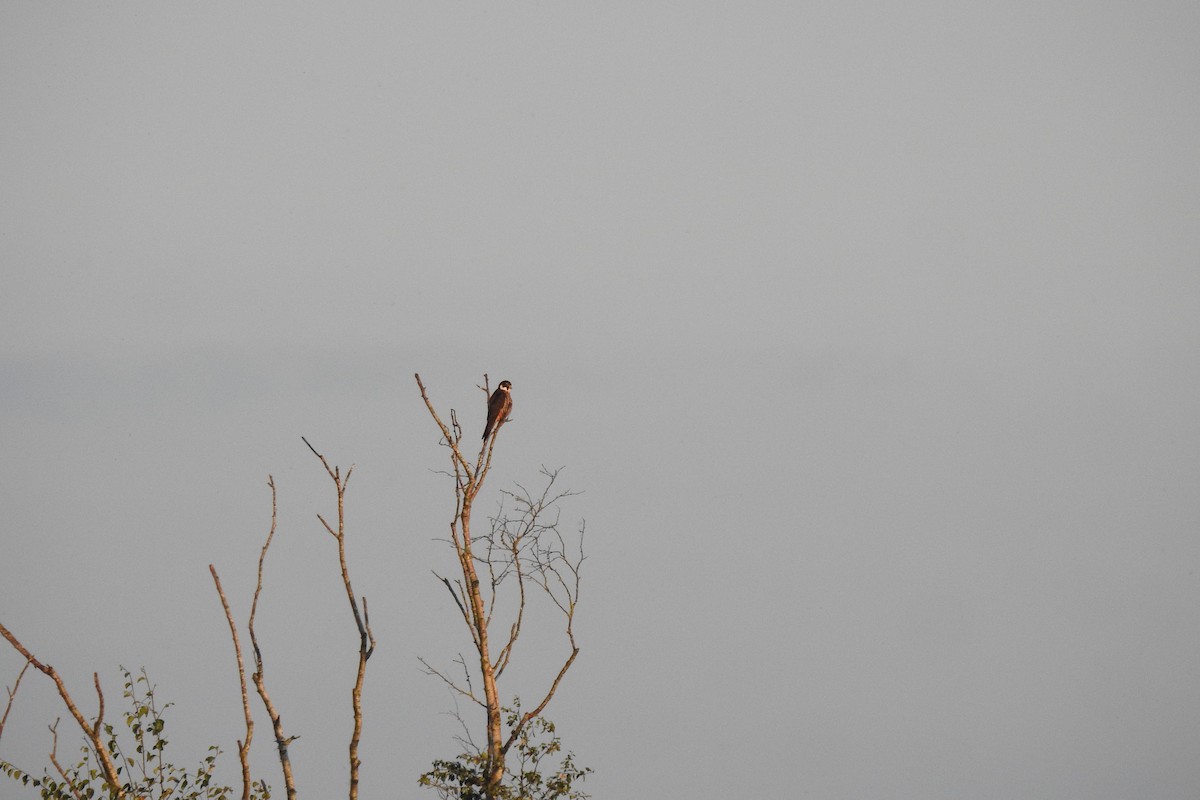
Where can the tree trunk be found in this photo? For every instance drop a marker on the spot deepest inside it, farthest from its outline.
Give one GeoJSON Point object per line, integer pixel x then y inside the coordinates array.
{"type": "Point", "coordinates": [495, 734]}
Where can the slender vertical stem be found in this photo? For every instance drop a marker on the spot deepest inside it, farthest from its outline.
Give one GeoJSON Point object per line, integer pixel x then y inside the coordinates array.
{"type": "Point", "coordinates": [281, 741]}
{"type": "Point", "coordinates": [243, 746]}
{"type": "Point", "coordinates": [366, 638]}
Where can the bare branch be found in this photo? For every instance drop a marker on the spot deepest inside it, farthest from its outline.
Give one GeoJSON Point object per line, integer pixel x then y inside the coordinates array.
{"type": "Point", "coordinates": [451, 439]}
{"type": "Point", "coordinates": [457, 600]}
{"type": "Point", "coordinates": [243, 746]}
{"type": "Point", "coordinates": [554, 562]}
{"type": "Point", "coordinates": [281, 741]}
{"type": "Point", "coordinates": [366, 636]}
{"type": "Point", "coordinates": [92, 733]}
{"type": "Point", "coordinates": [334, 472]}
{"type": "Point", "coordinates": [465, 739]}
{"type": "Point", "coordinates": [469, 692]}
{"type": "Point", "coordinates": [527, 717]}
{"type": "Point", "coordinates": [12, 695]}
{"type": "Point", "coordinates": [514, 633]}
{"type": "Point", "coordinates": [100, 699]}
{"type": "Point", "coordinates": [54, 760]}
{"type": "Point", "coordinates": [262, 557]}
{"type": "Point", "coordinates": [332, 532]}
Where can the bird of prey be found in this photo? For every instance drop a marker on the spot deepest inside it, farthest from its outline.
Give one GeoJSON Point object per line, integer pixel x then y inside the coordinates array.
{"type": "Point", "coordinates": [498, 408]}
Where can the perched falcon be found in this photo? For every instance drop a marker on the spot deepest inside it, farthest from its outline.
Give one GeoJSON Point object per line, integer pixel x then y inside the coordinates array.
{"type": "Point", "coordinates": [498, 408]}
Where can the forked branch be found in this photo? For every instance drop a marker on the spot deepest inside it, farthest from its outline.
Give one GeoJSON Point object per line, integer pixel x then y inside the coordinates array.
{"type": "Point", "coordinates": [62, 773]}
{"type": "Point", "coordinates": [281, 741]}
{"type": "Point", "coordinates": [451, 439]}
{"type": "Point", "coordinates": [12, 695]}
{"type": "Point", "coordinates": [92, 732]}
{"type": "Point", "coordinates": [362, 618]}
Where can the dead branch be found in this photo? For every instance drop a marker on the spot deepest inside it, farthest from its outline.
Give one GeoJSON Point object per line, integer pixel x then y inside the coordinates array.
{"type": "Point", "coordinates": [281, 741]}
{"type": "Point", "coordinates": [468, 692]}
{"type": "Point", "coordinates": [458, 601]}
{"type": "Point", "coordinates": [362, 619]}
{"type": "Point", "coordinates": [529, 716]}
{"type": "Point", "coordinates": [243, 746]}
{"type": "Point", "coordinates": [451, 439]}
{"type": "Point", "coordinates": [465, 739]}
{"type": "Point", "coordinates": [515, 565]}
{"type": "Point", "coordinates": [12, 695]}
{"type": "Point", "coordinates": [92, 732]}
{"type": "Point", "coordinates": [54, 760]}
{"type": "Point", "coordinates": [554, 562]}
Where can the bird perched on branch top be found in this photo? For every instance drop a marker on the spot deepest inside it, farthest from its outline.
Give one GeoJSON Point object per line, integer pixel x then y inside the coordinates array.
{"type": "Point", "coordinates": [498, 408]}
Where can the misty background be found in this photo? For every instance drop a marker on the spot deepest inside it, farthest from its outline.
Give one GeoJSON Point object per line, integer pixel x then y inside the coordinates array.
{"type": "Point", "coordinates": [868, 331]}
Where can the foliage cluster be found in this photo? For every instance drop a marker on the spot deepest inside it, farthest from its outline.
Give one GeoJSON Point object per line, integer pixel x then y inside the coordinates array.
{"type": "Point", "coordinates": [465, 777]}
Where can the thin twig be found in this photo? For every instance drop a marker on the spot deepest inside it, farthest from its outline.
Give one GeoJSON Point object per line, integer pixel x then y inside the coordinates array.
{"type": "Point", "coordinates": [12, 695]}
{"type": "Point", "coordinates": [54, 760]}
{"type": "Point", "coordinates": [457, 600]}
{"type": "Point", "coordinates": [451, 439]}
{"type": "Point", "coordinates": [468, 692]}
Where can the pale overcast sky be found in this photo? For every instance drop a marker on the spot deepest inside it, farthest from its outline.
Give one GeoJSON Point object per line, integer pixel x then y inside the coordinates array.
{"type": "Point", "coordinates": [870, 331]}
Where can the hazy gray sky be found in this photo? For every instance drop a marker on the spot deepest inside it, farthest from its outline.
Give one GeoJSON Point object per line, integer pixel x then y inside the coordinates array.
{"type": "Point", "coordinates": [871, 332]}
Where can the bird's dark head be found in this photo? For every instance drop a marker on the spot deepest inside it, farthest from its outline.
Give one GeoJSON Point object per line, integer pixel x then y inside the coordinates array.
{"type": "Point", "coordinates": [505, 385]}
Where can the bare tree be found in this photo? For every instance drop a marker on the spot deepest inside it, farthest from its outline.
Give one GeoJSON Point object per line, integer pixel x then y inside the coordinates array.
{"type": "Point", "coordinates": [523, 550]}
